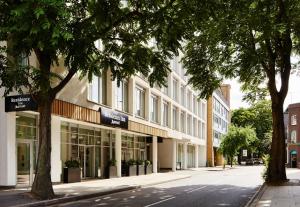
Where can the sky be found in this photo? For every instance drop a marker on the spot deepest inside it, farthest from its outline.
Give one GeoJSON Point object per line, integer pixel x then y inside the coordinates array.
{"type": "Point", "coordinates": [292, 97]}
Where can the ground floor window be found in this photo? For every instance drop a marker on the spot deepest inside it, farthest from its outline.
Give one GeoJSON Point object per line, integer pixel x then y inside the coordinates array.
{"type": "Point", "coordinates": [180, 156]}
{"type": "Point", "coordinates": [191, 156]}
{"type": "Point", "coordinates": [91, 147]}
{"type": "Point", "coordinates": [133, 147]}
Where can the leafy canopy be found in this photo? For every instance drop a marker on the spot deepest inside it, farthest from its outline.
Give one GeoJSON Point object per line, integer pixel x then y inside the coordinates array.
{"type": "Point", "coordinates": [248, 39]}
{"type": "Point", "coordinates": [235, 139]}
{"type": "Point", "coordinates": [259, 117]}
{"type": "Point", "coordinates": [67, 29]}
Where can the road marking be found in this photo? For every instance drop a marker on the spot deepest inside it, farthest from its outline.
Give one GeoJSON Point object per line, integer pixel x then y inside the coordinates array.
{"type": "Point", "coordinates": [152, 204]}
{"type": "Point", "coordinates": [196, 189]}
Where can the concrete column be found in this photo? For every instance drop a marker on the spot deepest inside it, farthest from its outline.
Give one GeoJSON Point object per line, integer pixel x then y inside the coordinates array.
{"type": "Point", "coordinates": [8, 149]}
{"type": "Point", "coordinates": [154, 153]}
{"type": "Point", "coordinates": [185, 156]}
{"type": "Point", "coordinates": [118, 148]}
{"type": "Point", "coordinates": [196, 156]}
{"type": "Point", "coordinates": [174, 143]}
{"type": "Point", "coordinates": [56, 169]}
{"type": "Point", "coordinates": [8, 158]}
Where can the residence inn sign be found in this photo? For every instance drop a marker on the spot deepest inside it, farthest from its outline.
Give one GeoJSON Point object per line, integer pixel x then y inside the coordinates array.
{"type": "Point", "coordinates": [113, 118]}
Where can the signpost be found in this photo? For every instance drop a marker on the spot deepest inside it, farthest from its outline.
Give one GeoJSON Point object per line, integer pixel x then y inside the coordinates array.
{"type": "Point", "coordinates": [113, 118]}
{"type": "Point", "coordinates": [245, 153]}
{"type": "Point", "coordinates": [20, 103]}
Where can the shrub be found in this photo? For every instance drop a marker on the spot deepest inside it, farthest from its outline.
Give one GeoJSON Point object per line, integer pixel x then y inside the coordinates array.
{"type": "Point", "coordinates": [140, 162]}
{"type": "Point", "coordinates": [112, 162]}
{"type": "Point", "coordinates": [72, 164]}
{"type": "Point", "coordinates": [131, 162]}
{"type": "Point", "coordinates": [266, 160]}
{"type": "Point", "coordinates": [147, 162]}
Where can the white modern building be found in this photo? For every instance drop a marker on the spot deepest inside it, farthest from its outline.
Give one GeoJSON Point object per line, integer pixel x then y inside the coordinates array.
{"type": "Point", "coordinates": [164, 125]}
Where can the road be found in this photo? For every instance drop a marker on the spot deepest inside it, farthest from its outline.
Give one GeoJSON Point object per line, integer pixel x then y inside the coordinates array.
{"type": "Point", "coordinates": [205, 187]}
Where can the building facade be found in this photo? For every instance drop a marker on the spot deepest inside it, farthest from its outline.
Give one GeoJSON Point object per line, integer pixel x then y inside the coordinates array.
{"type": "Point", "coordinates": [218, 119]}
{"type": "Point", "coordinates": [293, 138]}
{"type": "Point", "coordinates": [100, 121]}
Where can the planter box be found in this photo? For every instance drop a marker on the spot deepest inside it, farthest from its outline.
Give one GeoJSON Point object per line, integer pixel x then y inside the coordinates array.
{"type": "Point", "coordinates": [140, 170]}
{"type": "Point", "coordinates": [131, 170]}
{"type": "Point", "coordinates": [72, 175]}
{"type": "Point", "coordinates": [148, 169]}
{"type": "Point", "coordinates": [112, 172]}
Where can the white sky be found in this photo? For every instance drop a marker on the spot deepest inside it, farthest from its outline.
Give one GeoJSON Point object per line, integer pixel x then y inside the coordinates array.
{"type": "Point", "coordinates": [292, 97]}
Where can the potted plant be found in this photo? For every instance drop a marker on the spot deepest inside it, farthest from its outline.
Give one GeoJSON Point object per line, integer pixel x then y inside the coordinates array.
{"type": "Point", "coordinates": [140, 167]}
{"type": "Point", "coordinates": [72, 171]}
{"type": "Point", "coordinates": [131, 167]}
{"type": "Point", "coordinates": [112, 169]}
{"type": "Point", "coordinates": [148, 167]}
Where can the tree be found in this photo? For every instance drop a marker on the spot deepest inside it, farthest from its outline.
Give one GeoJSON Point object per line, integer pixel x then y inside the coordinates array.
{"type": "Point", "coordinates": [236, 139]}
{"type": "Point", "coordinates": [55, 30]}
{"type": "Point", "coordinates": [259, 117]}
{"type": "Point", "coordinates": [252, 40]}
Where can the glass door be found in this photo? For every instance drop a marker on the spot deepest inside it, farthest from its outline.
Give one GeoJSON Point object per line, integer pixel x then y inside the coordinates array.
{"type": "Point", "coordinates": [25, 162]}
{"type": "Point", "coordinates": [87, 161]}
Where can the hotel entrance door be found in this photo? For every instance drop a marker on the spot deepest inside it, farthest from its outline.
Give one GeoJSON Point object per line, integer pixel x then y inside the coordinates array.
{"type": "Point", "coordinates": [25, 162]}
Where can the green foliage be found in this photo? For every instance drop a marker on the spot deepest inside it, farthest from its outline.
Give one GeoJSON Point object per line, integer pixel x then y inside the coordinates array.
{"type": "Point", "coordinates": [57, 29]}
{"type": "Point", "coordinates": [251, 40]}
{"type": "Point", "coordinates": [259, 117]}
{"type": "Point", "coordinates": [266, 160]}
{"type": "Point", "coordinates": [72, 164]}
{"type": "Point", "coordinates": [236, 139]}
{"type": "Point", "coordinates": [147, 162]}
{"type": "Point", "coordinates": [140, 162]}
{"type": "Point", "coordinates": [112, 162]}
{"type": "Point", "coordinates": [131, 162]}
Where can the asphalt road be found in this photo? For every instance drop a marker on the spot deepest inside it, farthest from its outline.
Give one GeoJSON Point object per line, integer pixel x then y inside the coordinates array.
{"type": "Point", "coordinates": [205, 188]}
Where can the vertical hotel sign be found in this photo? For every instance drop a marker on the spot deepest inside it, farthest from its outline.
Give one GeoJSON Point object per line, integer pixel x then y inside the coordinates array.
{"type": "Point", "coordinates": [113, 118]}
{"type": "Point", "coordinates": [20, 103]}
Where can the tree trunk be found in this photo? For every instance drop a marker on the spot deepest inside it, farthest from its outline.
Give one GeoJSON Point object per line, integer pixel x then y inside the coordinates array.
{"type": "Point", "coordinates": [42, 185]}
{"type": "Point", "coordinates": [231, 158]}
{"type": "Point", "coordinates": [276, 168]}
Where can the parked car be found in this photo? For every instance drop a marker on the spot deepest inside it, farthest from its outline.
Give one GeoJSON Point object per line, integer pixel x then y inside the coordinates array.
{"type": "Point", "coordinates": [257, 161]}
{"type": "Point", "coordinates": [249, 161]}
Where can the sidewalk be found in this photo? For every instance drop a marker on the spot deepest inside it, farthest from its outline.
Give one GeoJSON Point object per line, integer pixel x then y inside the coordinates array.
{"type": "Point", "coordinates": [286, 195]}
{"type": "Point", "coordinates": [88, 189]}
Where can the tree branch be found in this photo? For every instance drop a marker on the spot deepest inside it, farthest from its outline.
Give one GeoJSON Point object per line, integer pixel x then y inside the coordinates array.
{"type": "Point", "coordinates": [64, 82]}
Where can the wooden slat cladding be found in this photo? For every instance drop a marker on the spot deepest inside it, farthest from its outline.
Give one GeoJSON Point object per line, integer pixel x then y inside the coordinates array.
{"type": "Point", "coordinates": [141, 128]}
{"type": "Point", "coordinates": [72, 111]}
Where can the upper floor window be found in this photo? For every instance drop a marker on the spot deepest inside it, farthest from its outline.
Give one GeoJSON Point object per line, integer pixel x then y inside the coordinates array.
{"type": "Point", "coordinates": [182, 95]}
{"type": "Point", "coordinates": [165, 114]}
{"type": "Point", "coordinates": [182, 122]}
{"type": "Point", "coordinates": [189, 105]}
{"type": "Point", "coordinates": [195, 127]}
{"type": "Point", "coordinates": [203, 134]}
{"type": "Point", "coordinates": [194, 104]}
{"type": "Point", "coordinates": [97, 89]}
{"type": "Point", "coordinates": [293, 136]}
{"type": "Point", "coordinates": [174, 115]}
{"type": "Point", "coordinates": [200, 130]}
{"type": "Point", "coordinates": [154, 108]}
{"type": "Point", "coordinates": [122, 96]}
{"type": "Point", "coordinates": [175, 86]}
{"type": "Point", "coordinates": [140, 102]}
{"type": "Point", "coordinates": [23, 60]}
{"type": "Point", "coordinates": [189, 124]}
{"type": "Point", "coordinates": [293, 120]}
